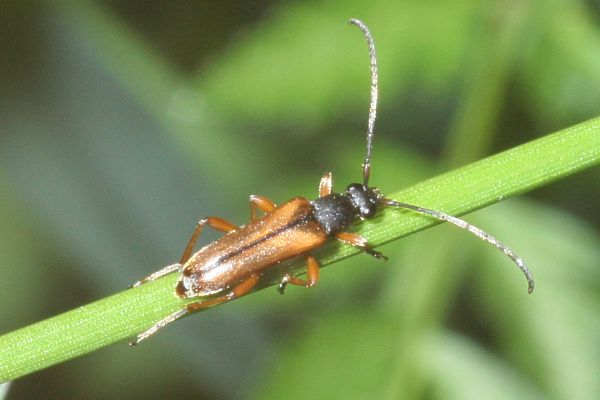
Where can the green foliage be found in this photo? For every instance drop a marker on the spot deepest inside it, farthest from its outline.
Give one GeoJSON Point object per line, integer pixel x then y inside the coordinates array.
{"type": "Point", "coordinates": [120, 316]}
{"type": "Point", "coordinates": [112, 146]}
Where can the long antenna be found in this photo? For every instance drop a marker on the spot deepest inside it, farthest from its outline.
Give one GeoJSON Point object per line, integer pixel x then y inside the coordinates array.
{"type": "Point", "coordinates": [366, 166]}
{"type": "Point", "coordinates": [474, 230]}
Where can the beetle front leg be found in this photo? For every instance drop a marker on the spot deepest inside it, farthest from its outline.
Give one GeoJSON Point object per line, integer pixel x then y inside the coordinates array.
{"type": "Point", "coordinates": [358, 241]}
{"type": "Point", "coordinates": [326, 185]}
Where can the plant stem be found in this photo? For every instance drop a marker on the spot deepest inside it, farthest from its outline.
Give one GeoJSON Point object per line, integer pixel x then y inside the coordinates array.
{"type": "Point", "coordinates": [474, 186]}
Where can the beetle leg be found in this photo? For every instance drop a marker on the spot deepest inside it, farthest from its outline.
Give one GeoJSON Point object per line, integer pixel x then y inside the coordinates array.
{"type": "Point", "coordinates": [360, 242]}
{"type": "Point", "coordinates": [325, 186]}
{"type": "Point", "coordinates": [262, 203]}
{"type": "Point", "coordinates": [158, 274]}
{"type": "Point", "coordinates": [312, 275]}
{"type": "Point", "coordinates": [160, 324]}
{"type": "Point", "coordinates": [241, 289]}
{"type": "Point", "coordinates": [216, 223]}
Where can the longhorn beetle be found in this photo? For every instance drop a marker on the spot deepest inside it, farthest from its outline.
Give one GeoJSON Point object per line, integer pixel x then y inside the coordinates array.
{"type": "Point", "coordinates": [231, 266]}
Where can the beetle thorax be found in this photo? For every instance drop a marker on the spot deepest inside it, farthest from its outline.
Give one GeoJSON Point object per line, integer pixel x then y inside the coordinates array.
{"type": "Point", "coordinates": [337, 211]}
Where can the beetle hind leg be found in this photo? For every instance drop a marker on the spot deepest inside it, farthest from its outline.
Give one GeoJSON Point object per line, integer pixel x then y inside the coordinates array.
{"type": "Point", "coordinates": [241, 289]}
{"type": "Point", "coordinates": [160, 324]}
{"type": "Point", "coordinates": [158, 274]}
{"type": "Point", "coordinates": [312, 275]}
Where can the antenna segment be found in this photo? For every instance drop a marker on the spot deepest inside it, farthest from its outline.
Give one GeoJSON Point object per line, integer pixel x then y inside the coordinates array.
{"type": "Point", "coordinates": [366, 166]}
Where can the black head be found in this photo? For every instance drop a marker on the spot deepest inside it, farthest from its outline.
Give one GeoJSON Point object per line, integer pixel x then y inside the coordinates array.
{"type": "Point", "coordinates": [364, 199]}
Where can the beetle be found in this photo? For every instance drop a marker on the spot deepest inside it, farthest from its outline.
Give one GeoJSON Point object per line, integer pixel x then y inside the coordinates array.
{"type": "Point", "coordinates": [232, 265]}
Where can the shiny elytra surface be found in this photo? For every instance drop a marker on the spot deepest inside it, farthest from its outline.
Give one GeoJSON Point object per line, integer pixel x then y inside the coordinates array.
{"type": "Point", "coordinates": [287, 232]}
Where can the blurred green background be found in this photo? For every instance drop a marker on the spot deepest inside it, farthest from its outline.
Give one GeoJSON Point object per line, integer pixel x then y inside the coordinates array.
{"type": "Point", "coordinates": [121, 124]}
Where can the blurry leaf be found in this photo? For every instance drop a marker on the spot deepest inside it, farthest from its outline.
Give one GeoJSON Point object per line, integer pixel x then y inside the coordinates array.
{"type": "Point", "coordinates": [553, 334]}
{"type": "Point", "coordinates": [561, 63]}
{"type": "Point", "coordinates": [460, 369]}
{"type": "Point", "coordinates": [25, 280]}
{"type": "Point", "coordinates": [296, 67]}
{"type": "Point", "coordinates": [342, 356]}
{"type": "Point", "coordinates": [137, 67]}
{"type": "Point", "coordinates": [157, 87]}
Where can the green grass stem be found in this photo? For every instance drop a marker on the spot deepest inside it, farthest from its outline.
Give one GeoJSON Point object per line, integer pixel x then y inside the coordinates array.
{"type": "Point", "coordinates": [123, 315]}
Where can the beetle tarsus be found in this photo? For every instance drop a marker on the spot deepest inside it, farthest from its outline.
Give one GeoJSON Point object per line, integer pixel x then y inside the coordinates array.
{"type": "Point", "coordinates": [375, 254]}
{"type": "Point", "coordinates": [281, 287]}
{"type": "Point", "coordinates": [158, 274]}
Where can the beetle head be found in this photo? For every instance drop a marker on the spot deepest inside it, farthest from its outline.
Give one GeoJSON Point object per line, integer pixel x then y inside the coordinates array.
{"type": "Point", "coordinates": [364, 199]}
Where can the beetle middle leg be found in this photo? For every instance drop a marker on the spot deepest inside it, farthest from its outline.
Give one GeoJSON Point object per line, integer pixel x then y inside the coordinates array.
{"type": "Point", "coordinates": [360, 242]}
{"type": "Point", "coordinates": [261, 203]}
{"type": "Point", "coordinates": [312, 275]}
{"type": "Point", "coordinates": [216, 223]}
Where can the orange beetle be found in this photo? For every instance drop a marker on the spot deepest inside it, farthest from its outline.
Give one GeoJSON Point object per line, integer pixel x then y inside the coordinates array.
{"type": "Point", "coordinates": [231, 266]}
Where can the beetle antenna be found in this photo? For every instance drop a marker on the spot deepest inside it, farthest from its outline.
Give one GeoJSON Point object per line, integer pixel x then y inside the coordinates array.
{"type": "Point", "coordinates": [366, 166]}
{"type": "Point", "coordinates": [474, 230]}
